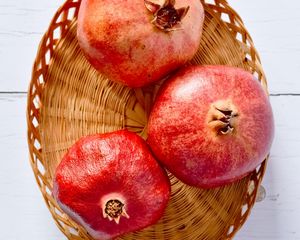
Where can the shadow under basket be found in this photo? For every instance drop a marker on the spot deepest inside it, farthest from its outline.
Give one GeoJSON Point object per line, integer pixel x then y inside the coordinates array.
{"type": "Point", "coordinates": [68, 99]}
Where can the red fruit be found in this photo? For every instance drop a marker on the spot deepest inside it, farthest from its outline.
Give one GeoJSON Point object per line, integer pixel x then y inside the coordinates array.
{"type": "Point", "coordinates": [111, 184]}
{"type": "Point", "coordinates": [137, 42]}
{"type": "Point", "coordinates": [211, 125]}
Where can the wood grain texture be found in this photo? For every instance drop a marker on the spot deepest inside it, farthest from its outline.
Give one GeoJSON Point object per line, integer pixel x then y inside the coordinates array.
{"type": "Point", "coordinates": [23, 212]}
{"type": "Point", "coordinates": [22, 24]}
{"type": "Point", "coordinates": [21, 203]}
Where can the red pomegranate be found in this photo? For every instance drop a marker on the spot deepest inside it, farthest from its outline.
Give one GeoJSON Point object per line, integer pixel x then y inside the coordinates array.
{"type": "Point", "coordinates": [211, 125]}
{"type": "Point", "coordinates": [137, 42]}
{"type": "Point", "coordinates": [111, 184]}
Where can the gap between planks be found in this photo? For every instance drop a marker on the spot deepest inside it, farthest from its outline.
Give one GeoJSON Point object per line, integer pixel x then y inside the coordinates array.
{"type": "Point", "coordinates": [272, 94]}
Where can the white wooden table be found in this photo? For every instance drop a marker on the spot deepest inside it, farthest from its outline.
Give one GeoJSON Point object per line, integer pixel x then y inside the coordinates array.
{"type": "Point", "coordinates": [275, 28]}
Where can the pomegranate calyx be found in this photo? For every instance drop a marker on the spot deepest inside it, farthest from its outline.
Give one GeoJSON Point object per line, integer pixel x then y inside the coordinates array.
{"type": "Point", "coordinates": [166, 17]}
{"type": "Point", "coordinates": [222, 116]}
{"type": "Point", "coordinates": [114, 209]}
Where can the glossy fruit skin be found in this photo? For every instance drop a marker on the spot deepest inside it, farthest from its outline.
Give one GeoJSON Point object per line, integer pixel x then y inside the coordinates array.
{"type": "Point", "coordinates": [180, 132]}
{"type": "Point", "coordinates": [119, 40]}
{"type": "Point", "coordinates": [116, 164]}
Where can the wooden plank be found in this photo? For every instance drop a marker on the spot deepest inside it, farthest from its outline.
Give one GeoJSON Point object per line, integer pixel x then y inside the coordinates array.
{"type": "Point", "coordinates": [22, 24]}
{"type": "Point", "coordinates": [272, 24]}
{"type": "Point", "coordinates": [25, 216]}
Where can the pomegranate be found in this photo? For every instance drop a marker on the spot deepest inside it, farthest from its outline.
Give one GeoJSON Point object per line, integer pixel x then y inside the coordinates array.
{"type": "Point", "coordinates": [137, 42]}
{"type": "Point", "coordinates": [211, 125]}
{"type": "Point", "coordinates": [111, 184]}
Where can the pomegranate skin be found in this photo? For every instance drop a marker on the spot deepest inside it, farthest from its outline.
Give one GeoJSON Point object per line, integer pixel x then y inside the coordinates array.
{"type": "Point", "coordinates": [114, 166]}
{"type": "Point", "coordinates": [119, 40]}
{"type": "Point", "coordinates": [211, 125]}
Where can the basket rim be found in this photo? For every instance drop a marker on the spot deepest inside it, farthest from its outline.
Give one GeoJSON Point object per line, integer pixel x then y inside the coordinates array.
{"type": "Point", "coordinates": [32, 111]}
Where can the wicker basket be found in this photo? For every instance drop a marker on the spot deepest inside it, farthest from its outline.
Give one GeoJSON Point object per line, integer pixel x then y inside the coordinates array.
{"type": "Point", "coordinates": [68, 99]}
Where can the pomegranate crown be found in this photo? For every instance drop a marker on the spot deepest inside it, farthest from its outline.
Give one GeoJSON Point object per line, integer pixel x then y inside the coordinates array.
{"type": "Point", "coordinates": [166, 16]}
{"type": "Point", "coordinates": [114, 209]}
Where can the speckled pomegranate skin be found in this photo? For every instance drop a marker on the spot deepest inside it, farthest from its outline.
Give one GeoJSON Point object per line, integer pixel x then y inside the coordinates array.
{"type": "Point", "coordinates": [119, 40]}
{"type": "Point", "coordinates": [180, 135]}
{"type": "Point", "coordinates": [116, 164]}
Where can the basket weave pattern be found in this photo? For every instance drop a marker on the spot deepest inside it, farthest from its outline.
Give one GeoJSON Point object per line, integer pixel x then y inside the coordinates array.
{"type": "Point", "coordinates": [68, 99]}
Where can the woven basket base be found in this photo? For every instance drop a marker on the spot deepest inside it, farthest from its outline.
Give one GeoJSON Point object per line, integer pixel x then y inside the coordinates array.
{"type": "Point", "coordinates": [75, 101]}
